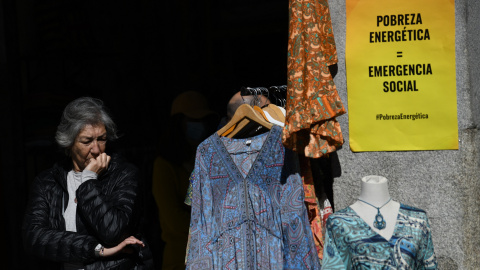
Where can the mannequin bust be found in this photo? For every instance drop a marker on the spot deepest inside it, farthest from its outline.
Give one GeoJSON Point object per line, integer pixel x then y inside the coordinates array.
{"type": "Point", "coordinates": [354, 241]}
{"type": "Point", "coordinates": [374, 191]}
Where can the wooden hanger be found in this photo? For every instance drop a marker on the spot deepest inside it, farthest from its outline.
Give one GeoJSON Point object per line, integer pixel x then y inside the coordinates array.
{"type": "Point", "coordinates": [272, 119]}
{"type": "Point", "coordinates": [279, 113]}
{"type": "Point", "coordinates": [260, 111]}
{"type": "Point", "coordinates": [233, 130]}
{"type": "Point", "coordinates": [271, 112]}
{"type": "Point", "coordinates": [244, 115]}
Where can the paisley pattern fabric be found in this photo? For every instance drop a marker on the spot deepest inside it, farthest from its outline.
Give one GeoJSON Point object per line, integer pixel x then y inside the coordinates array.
{"type": "Point", "coordinates": [249, 218]}
{"type": "Point", "coordinates": [239, 155]}
{"type": "Point", "coordinates": [312, 204]}
{"type": "Point", "coordinates": [352, 244]}
{"type": "Point", "coordinates": [312, 98]}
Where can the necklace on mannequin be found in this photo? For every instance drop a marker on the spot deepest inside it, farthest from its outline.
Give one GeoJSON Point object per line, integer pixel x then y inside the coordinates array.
{"type": "Point", "coordinates": [379, 222]}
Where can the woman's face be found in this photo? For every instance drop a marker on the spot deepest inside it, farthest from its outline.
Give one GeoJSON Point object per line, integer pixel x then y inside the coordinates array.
{"type": "Point", "coordinates": [89, 143]}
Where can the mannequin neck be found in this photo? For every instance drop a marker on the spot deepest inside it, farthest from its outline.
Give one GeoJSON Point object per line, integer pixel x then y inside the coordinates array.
{"type": "Point", "coordinates": [374, 190]}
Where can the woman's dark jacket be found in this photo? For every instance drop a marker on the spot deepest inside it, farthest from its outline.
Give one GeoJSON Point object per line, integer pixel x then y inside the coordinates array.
{"type": "Point", "coordinates": [107, 213]}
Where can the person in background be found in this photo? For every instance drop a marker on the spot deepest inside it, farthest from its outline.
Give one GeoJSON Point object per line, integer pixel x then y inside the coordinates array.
{"type": "Point", "coordinates": [236, 100]}
{"type": "Point", "coordinates": [191, 121]}
{"type": "Point", "coordinates": [83, 212]}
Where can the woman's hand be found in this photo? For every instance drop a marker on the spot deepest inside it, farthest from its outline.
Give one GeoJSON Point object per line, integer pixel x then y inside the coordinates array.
{"type": "Point", "coordinates": [98, 164]}
{"type": "Point", "coordinates": [123, 247]}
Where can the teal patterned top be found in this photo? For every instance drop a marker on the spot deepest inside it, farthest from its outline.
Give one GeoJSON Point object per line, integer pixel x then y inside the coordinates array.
{"type": "Point", "coordinates": [352, 244]}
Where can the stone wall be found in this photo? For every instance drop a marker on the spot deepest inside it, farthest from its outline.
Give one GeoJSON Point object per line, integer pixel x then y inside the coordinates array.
{"type": "Point", "coordinates": [444, 183]}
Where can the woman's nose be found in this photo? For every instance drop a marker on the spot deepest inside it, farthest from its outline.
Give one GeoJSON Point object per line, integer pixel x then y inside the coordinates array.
{"type": "Point", "coordinates": [95, 148]}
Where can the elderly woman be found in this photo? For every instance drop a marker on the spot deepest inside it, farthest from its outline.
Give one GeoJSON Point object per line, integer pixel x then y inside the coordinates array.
{"type": "Point", "coordinates": [82, 212]}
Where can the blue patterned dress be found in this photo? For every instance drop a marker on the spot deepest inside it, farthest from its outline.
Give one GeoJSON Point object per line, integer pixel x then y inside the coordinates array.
{"type": "Point", "coordinates": [248, 207]}
{"type": "Point", "coordinates": [351, 244]}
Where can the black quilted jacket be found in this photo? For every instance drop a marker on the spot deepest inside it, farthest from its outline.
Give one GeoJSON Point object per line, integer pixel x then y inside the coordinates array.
{"type": "Point", "coordinates": [107, 213]}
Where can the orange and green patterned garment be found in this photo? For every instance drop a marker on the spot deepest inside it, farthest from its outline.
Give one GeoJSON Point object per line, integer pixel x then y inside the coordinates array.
{"type": "Point", "coordinates": [312, 98]}
{"type": "Point", "coordinates": [312, 204]}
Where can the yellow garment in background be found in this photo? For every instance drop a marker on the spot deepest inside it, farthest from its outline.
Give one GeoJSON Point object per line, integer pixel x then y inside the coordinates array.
{"type": "Point", "coordinates": [169, 187]}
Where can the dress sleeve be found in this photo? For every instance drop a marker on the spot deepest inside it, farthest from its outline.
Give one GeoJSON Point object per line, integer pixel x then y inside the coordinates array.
{"type": "Point", "coordinates": [427, 256]}
{"type": "Point", "coordinates": [199, 255]}
{"type": "Point", "coordinates": [48, 243]}
{"type": "Point", "coordinates": [332, 258]}
{"type": "Point", "coordinates": [109, 215]}
{"type": "Point", "coordinates": [299, 247]}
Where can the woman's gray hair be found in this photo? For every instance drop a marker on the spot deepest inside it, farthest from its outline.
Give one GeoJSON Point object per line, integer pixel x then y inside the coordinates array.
{"type": "Point", "coordinates": [80, 113]}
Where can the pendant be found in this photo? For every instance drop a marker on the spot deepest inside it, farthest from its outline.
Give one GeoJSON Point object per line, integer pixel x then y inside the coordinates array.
{"type": "Point", "coordinates": [379, 222]}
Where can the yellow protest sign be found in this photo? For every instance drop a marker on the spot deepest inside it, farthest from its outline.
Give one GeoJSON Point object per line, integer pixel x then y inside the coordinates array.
{"type": "Point", "coordinates": [400, 60]}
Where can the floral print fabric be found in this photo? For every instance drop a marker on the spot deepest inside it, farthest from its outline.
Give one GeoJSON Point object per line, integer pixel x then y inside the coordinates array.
{"type": "Point", "coordinates": [312, 98]}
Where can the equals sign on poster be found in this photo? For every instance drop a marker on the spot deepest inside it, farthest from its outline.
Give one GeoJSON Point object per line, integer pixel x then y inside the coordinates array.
{"type": "Point", "coordinates": [399, 54]}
